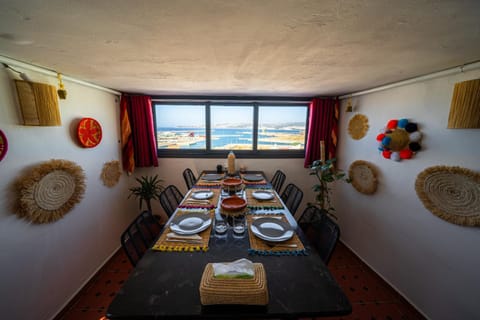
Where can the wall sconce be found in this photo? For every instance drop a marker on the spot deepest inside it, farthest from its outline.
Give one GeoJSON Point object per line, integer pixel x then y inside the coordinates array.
{"type": "Point", "coordinates": [465, 105]}
{"type": "Point", "coordinates": [62, 93]}
{"type": "Point", "coordinates": [349, 107]}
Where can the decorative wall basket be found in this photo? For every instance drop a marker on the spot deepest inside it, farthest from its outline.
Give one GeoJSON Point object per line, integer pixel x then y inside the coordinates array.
{"type": "Point", "coordinates": [400, 139]}
{"type": "Point", "coordinates": [3, 145]}
{"type": "Point", "coordinates": [50, 190]}
{"type": "Point", "coordinates": [111, 173]}
{"type": "Point", "coordinates": [465, 106]}
{"type": "Point", "coordinates": [363, 176]}
{"type": "Point", "coordinates": [451, 193]}
{"type": "Point", "coordinates": [89, 132]}
{"type": "Point", "coordinates": [38, 103]}
{"type": "Point", "coordinates": [358, 126]}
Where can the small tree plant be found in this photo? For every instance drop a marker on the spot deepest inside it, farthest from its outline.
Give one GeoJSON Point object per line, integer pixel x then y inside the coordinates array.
{"type": "Point", "coordinates": [149, 188]}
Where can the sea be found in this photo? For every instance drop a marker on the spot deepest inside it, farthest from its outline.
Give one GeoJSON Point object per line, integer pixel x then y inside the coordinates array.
{"type": "Point", "coordinates": [225, 136]}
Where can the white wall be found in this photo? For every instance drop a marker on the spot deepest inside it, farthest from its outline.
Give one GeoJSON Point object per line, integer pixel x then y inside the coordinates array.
{"type": "Point", "coordinates": [433, 263]}
{"type": "Point", "coordinates": [43, 266]}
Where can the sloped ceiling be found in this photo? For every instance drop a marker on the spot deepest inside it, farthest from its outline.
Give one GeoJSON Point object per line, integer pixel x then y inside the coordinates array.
{"type": "Point", "coordinates": [250, 47]}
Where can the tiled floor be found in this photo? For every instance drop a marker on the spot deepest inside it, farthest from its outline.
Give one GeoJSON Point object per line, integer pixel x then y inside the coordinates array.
{"type": "Point", "coordinates": [370, 296]}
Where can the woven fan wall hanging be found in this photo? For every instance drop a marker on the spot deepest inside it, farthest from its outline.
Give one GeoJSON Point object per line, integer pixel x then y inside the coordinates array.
{"type": "Point", "coordinates": [451, 193]}
{"type": "Point", "coordinates": [363, 176]}
{"type": "Point", "coordinates": [111, 173]}
{"type": "Point", "coordinates": [358, 126]}
{"type": "Point", "coordinates": [400, 139]}
{"type": "Point", "coordinates": [50, 190]}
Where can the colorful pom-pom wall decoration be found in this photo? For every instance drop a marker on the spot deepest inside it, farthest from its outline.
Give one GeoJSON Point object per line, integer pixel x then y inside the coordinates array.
{"type": "Point", "coordinates": [400, 139]}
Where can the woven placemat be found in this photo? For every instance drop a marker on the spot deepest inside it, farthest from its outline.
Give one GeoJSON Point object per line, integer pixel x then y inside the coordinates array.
{"type": "Point", "coordinates": [252, 183]}
{"type": "Point", "coordinates": [363, 176]}
{"type": "Point", "coordinates": [234, 291]}
{"type": "Point", "coordinates": [358, 126]}
{"type": "Point", "coordinates": [189, 202]}
{"type": "Point", "coordinates": [451, 193]}
{"type": "Point", "coordinates": [255, 204]}
{"type": "Point", "coordinates": [206, 183]}
{"type": "Point", "coordinates": [260, 247]}
{"type": "Point", "coordinates": [163, 244]}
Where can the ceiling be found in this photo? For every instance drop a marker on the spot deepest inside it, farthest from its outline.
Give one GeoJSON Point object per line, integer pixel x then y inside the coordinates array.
{"type": "Point", "coordinates": [250, 47]}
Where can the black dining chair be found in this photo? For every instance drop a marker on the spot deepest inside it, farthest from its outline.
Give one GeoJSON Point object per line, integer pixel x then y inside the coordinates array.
{"type": "Point", "coordinates": [139, 236]}
{"type": "Point", "coordinates": [189, 177]}
{"type": "Point", "coordinates": [292, 197]}
{"type": "Point", "coordinates": [277, 180]}
{"type": "Point", "coordinates": [322, 232]}
{"type": "Point", "coordinates": [170, 198]}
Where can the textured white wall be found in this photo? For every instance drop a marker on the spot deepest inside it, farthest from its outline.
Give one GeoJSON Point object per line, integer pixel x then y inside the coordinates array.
{"type": "Point", "coordinates": [433, 263]}
{"type": "Point", "coordinates": [43, 266]}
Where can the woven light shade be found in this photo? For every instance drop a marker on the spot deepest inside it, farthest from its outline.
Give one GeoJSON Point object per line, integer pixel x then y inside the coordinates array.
{"type": "Point", "coordinates": [38, 104]}
{"type": "Point", "coordinates": [465, 106]}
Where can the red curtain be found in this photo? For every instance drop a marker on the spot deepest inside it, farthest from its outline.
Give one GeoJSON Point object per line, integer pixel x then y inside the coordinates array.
{"type": "Point", "coordinates": [143, 134]}
{"type": "Point", "coordinates": [322, 126]}
{"type": "Point", "coordinates": [128, 161]}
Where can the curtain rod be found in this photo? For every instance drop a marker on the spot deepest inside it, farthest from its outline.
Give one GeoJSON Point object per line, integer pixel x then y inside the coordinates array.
{"type": "Point", "coordinates": [49, 72]}
{"type": "Point", "coordinates": [443, 73]}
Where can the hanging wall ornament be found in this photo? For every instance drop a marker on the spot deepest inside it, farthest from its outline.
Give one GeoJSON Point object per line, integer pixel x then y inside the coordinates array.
{"type": "Point", "coordinates": [358, 126]}
{"type": "Point", "coordinates": [451, 193]}
{"type": "Point", "coordinates": [89, 132]}
{"type": "Point", "coordinates": [3, 145]}
{"type": "Point", "coordinates": [111, 173]}
{"type": "Point", "coordinates": [363, 176]}
{"type": "Point", "coordinates": [48, 191]}
{"type": "Point", "coordinates": [400, 139]}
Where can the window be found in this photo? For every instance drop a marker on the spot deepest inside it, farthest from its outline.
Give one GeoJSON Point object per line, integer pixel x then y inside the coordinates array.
{"type": "Point", "coordinates": [210, 129]}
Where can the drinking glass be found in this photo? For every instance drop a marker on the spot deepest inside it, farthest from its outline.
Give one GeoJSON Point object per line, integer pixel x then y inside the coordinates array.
{"type": "Point", "coordinates": [239, 225]}
{"type": "Point", "coordinates": [221, 227]}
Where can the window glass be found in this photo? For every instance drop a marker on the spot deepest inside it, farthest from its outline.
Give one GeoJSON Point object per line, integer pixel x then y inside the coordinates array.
{"type": "Point", "coordinates": [180, 126]}
{"type": "Point", "coordinates": [281, 127]}
{"type": "Point", "coordinates": [232, 127]}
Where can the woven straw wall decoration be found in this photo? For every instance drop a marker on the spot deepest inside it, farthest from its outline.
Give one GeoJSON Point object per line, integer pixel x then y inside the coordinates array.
{"type": "Point", "coordinates": [111, 173]}
{"type": "Point", "coordinates": [451, 193]}
{"type": "Point", "coordinates": [358, 126]}
{"type": "Point", "coordinates": [465, 105]}
{"type": "Point", "coordinates": [50, 190]}
{"type": "Point", "coordinates": [400, 139]}
{"type": "Point", "coordinates": [364, 176]}
{"type": "Point", "coordinates": [38, 104]}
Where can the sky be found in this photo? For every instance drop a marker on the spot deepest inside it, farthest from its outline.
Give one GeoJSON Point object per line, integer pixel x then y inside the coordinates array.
{"type": "Point", "coordinates": [175, 115]}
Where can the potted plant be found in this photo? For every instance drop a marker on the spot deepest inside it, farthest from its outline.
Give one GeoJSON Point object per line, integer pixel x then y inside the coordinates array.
{"type": "Point", "coordinates": [149, 188]}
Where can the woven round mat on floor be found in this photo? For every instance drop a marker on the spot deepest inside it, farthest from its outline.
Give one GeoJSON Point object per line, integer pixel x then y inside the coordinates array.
{"type": "Point", "coordinates": [451, 193]}
{"type": "Point", "coordinates": [50, 190]}
{"type": "Point", "coordinates": [364, 176]}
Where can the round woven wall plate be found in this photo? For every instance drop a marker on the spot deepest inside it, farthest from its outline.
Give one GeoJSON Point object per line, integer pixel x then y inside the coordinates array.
{"type": "Point", "coordinates": [363, 176]}
{"type": "Point", "coordinates": [3, 145]}
{"type": "Point", "coordinates": [48, 191]}
{"type": "Point", "coordinates": [451, 193]}
{"type": "Point", "coordinates": [89, 132]}
{"type": "Point", "coordinates": [111, 173]}
{"type": "Point", "coordinates": [358, 126]}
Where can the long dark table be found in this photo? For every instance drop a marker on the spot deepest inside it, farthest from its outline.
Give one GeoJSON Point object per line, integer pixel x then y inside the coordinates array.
{"type": "Point", "coordinates": [165, 285]}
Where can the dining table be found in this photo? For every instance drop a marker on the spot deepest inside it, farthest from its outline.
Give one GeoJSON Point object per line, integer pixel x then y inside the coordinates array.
{"type": "Point", "coordinates": [165, 284]}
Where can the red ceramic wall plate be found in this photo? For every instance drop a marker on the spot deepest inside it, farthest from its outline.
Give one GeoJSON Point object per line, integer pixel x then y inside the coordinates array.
{"type": "Point", "coordinates": [89, 132]}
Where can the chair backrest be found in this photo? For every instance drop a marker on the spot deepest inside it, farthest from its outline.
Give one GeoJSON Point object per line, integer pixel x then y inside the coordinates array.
{"type": "Point", "coordinates": [277, 180]}
{"type": "Point", "coordinates": [321, 230]}
{"type": "Point", "coordinates": [139, 236]}
{"type": "Point", "coordinates": [189, 178]}
{"type": "Point", "coordinates": [292, 197]}
{"type": "Point", "coordinates": [170, 198]}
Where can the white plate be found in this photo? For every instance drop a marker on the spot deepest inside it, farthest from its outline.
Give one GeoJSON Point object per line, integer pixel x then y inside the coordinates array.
{"type": "Point", "coordinates": [271, 229]}
{"type": "Point", "coordinates": [262, 195]}
{"type": "Point", "coordinates": [190, 223]}
{"type": "Point", "coordinates": [253, 177]}
{"type": "Point", "coordinates": [202, 195]}
{"type": "Point", "coordinates": [212, 176]}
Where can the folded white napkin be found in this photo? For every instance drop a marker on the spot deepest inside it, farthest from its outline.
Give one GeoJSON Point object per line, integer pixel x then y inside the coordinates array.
{"type": "Point", "coordinates": [172, 235]}
{"type": "Point", "coordinates": [242, 268]}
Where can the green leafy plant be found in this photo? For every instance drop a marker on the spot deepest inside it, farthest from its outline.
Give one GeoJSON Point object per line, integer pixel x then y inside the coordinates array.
{"type": "Point", "coordinates": [326, 173]}
{"type": "Point", "coordinates": [150, 188]}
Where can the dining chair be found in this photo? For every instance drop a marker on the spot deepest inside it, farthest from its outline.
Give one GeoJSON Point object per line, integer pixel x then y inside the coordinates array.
{"type": "Point", "coordinates": [189, 177]}
{"type": "Point", "coordinates": [292, 197]}
{"type": "Point", "coordinates": [170, 198]}
{"type": "Point", "coordinates": [277, 180]}
{"type": "Point", "coordinates": [139, 236]}
{"type": "Point", "coordinates": [321, 231]}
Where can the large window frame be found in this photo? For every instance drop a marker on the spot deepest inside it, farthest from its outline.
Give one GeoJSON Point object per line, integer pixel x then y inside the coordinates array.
{"type": "Point", "coordinates": [256, 103]}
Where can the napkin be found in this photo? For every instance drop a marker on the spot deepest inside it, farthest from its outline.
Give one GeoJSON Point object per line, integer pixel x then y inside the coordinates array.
{"type": "Point", "coordinates": [238, 269]}
{"type": "Point", "coordinates": [172, 235]}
